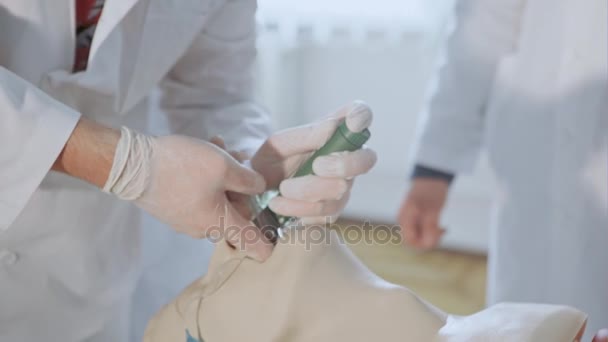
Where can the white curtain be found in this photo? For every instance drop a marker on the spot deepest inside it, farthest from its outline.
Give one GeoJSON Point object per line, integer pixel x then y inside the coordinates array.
{"type": "Point", "coordinates": [299, 40]}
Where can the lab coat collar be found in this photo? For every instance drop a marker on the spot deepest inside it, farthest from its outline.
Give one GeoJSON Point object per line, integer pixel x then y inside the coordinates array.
{"type": "Point", "coordinates": [155, 34]}
{"type": "Point", "coordinates": [113, 12]}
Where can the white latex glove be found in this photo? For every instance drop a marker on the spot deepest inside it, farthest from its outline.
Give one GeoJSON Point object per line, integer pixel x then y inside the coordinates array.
{"type": "Point", "coordinates": [320, 197]}
{"type": "Point", "coordinates": [183, 182]}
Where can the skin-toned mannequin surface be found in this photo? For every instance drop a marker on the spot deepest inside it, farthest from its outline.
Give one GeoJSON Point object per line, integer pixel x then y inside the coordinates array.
{"type": "Point", "coordinates": [313, 290]}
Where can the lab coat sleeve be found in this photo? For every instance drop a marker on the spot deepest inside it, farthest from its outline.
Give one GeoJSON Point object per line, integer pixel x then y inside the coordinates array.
{"type": "Point", "coordinates": [210, 90]}
{"type": "Point", "coordinates": [33, 130]}
{"type": "Point", "coordinates": [452, 123]}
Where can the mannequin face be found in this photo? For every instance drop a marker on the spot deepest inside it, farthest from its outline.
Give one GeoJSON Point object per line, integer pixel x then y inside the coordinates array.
{"type": "Point", "coordinates": [322, 292]}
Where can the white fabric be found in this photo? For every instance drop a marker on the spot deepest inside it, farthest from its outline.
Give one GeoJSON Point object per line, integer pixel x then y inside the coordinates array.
{"type": "Point", "coordinates": [33, 130]}
{"type": "Point", "coordinates": [319, 291]}
{"type": "Point", "coordinates": [516, 322]}
{"type": "Point", "coordinates": [528, 80]}
{"type": "Point", "coordinates": [76, 248]}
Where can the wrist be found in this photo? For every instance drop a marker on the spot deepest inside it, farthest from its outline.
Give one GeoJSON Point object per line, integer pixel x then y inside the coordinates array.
{"type": "Point", "coordinates": [89, 152]}
{"type": "Point", "coordinates": [421, 171]}
{"type": "Point", "coordinates": [130, 171]}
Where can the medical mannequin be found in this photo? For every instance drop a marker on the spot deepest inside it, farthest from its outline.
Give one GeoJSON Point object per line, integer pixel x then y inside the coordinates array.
{"type": "Point", "coordinates": [322, 292]}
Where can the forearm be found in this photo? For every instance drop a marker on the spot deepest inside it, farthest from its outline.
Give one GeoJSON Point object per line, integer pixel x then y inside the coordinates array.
{"type": "Point", "coordinates": [89, 152]}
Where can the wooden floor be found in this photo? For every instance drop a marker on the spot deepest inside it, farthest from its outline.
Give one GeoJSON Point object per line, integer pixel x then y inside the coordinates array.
{"type": "Point", "coordinates": [453, 281]}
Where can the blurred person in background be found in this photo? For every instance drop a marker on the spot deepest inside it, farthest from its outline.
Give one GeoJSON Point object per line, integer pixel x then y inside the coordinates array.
{"type": "Point", "coordinates": [527, 80]}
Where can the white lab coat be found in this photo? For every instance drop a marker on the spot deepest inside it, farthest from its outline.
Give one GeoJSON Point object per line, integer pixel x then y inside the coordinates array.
{"type": "Point", "coordinates": [528, 81]}
{"type": "Point", "coordinates": [69, 253]}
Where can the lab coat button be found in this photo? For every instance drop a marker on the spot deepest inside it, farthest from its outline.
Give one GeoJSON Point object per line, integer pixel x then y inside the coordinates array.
{"type": "Point", "coordinates": [8, 257]}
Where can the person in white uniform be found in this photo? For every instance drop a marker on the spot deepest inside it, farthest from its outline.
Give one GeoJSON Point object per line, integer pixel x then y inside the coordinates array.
{"type": "Point", "coordinates": [528, 81]}
{"type": "Point", "coordinates": [71, 74]}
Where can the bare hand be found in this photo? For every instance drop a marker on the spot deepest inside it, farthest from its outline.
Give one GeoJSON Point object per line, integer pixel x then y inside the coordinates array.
{"type": "Point", "coordinates": [420, 213]}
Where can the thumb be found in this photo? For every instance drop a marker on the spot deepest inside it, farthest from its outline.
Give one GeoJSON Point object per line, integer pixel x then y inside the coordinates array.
{"type": "Point", "coordinates": [409, 220]}
{"type": "Point", "coordinates": [431, 232]}
{"type": "Point", "coordinates": [241, 179]}
{"type": "Point", "coordinates": [302, 139]}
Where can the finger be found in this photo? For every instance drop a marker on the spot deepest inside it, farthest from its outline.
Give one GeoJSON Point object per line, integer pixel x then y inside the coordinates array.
{"type": "Point", "coordinates": [311, 137]}
{"type": "Point", "coordinates": [302, 139]}
{"type": "Point", "coordinates": [245, 236]}
{"type": "Point", "coordinates": [241, 179]}
{"type": "Point", "coordinates": [291, 207]}
{"type": "Point", "coordinates": [218, 141]}
{"type": "Point", "coordinates": [359, 117]}
{"type": "Point", "coordinates": [409, 220]}
{"type": "Point", "coordinates": [314, 188]}
{"type": "Point", "coordinates": [431, 232]}
{"type": "Point", "coordinates": [345, 164]}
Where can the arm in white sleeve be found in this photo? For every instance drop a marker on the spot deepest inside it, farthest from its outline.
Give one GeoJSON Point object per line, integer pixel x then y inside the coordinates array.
{"type": "Point", "coordinates": [33, 130]}
{"type": "Point", "coordinates": [210, 90]}
{"type": "Point", "coordinates": [453, 122]}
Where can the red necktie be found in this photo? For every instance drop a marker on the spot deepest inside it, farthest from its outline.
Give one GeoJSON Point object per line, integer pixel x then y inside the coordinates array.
{"type": "Point", "coordinates": [87, 16]}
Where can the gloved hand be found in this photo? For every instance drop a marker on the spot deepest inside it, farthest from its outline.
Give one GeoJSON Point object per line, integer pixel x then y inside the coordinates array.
{"type": "Point", "coordinates": [183, 182]}
{"type": "Point", "coordinates": [322, 196]}
{"type": "Point", "coordinates": [420, 212]}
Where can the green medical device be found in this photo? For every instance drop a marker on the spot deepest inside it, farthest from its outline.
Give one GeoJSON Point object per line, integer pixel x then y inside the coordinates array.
{"type": "Point", "coordinates": [271, 223]}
